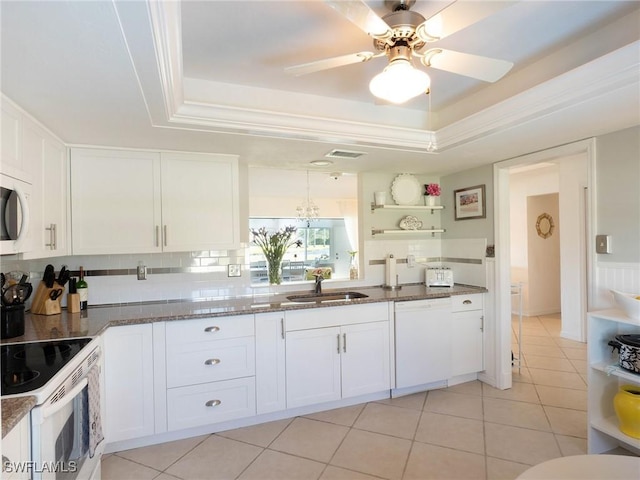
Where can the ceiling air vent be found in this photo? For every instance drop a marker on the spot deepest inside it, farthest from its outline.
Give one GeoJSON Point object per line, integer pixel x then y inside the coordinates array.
{"type": "Point", "coordinates": [344, 154]}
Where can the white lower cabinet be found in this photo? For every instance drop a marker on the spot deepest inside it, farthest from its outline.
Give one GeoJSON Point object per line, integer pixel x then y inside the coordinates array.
{"type": "Point", "coordinates": [209, 403]}
{"type": "Point", "coordinates": [210, 370]}
{"type": "Point", "coordinates": [129, 382]}
{"type": "Point", "coordinates": [467, 334]}
{"type": "Point", "coordinates": [270, 363]}
{"type": "Point", "coordinates": [313, 366]}
{"type": "Point", "coordinates": [16, 451]}
{"type": "Point", "coordinates": [345, 356]}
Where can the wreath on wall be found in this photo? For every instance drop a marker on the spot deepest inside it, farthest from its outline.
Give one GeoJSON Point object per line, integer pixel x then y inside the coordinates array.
{"type": "Point", "coordinates": [545, 225]}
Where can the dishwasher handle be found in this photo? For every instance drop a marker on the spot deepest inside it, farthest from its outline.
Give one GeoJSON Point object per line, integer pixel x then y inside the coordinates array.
{"type": "Point", "coordinates": [421, 305]}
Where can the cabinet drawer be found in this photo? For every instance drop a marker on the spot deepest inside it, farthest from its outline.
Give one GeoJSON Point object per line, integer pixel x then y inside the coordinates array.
{"type": "Point", "coordinates": [202, 362]}
{"type": "Point", "coordinates": [207, 329]}
{"type": "Point", "coordinates": [210, 403]}
{"type": "Point", "coordinates": [334, 316]}
{"type": "Point", "coordinates": [463, 303]}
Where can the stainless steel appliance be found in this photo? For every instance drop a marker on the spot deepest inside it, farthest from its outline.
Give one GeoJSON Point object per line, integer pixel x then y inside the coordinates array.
{"type": "Point", "coordinates": [14, 214]}
{"type": "Point", "coordinates": [439, 277]}
{"type": "Point", "coordinates": [66, 430]}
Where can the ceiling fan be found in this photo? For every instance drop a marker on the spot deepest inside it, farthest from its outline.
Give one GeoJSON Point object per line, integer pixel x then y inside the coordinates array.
{"type": "Point", "coordinates": [402, 35]}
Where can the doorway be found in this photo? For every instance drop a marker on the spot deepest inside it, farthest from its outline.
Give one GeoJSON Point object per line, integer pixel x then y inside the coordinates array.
{"type": "Point", "coordinates": [576, 164]}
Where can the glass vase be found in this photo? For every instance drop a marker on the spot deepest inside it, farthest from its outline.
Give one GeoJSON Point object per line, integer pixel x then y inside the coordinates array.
{"type": "Point", "coordinates": [353, 268]}
{"type": "Point", "coordinates": [274, 271]}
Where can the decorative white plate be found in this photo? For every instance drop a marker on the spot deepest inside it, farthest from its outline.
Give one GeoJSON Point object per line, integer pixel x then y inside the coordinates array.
{"type": "Point", "coordinates": [406, 189]}
{"type": "Point", "coordinates": [410, 223]}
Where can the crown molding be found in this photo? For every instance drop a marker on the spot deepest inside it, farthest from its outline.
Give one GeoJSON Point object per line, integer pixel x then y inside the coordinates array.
{"type": "Point", "coordinates": [616, 70]}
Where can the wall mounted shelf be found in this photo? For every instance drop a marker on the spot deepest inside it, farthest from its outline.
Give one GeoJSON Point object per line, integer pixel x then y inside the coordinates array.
{"type": "Point", "coordinates": [432, 231]}
{"type": "Point", "coordinates": [375, 207]}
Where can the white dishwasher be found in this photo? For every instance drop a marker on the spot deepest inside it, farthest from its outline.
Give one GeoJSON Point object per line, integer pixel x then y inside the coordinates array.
{"type": "Point", "coordinates": [423, 341]}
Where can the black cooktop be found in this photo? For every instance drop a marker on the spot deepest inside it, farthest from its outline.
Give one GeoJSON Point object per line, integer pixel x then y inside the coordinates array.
{"type": "Point", "coordinates": [27, 367]}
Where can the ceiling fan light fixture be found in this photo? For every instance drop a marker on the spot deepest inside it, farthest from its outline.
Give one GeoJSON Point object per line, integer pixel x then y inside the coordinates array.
{"type": "Point", "coordinates": [399, 82]}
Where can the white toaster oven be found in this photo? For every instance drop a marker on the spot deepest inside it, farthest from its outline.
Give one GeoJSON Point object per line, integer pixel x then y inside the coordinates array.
{"type": "Point", "coordinates": [439, 277]}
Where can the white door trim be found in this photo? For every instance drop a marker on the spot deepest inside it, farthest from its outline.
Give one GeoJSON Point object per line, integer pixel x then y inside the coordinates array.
{"type": "Point", "coordinates": [502, 237]}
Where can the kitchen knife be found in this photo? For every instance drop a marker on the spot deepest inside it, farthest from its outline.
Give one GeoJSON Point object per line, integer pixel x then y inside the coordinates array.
{"type": "Point", "coordinates": [63, 276]}
{"type": "Point", "coordinates": [49, 276]}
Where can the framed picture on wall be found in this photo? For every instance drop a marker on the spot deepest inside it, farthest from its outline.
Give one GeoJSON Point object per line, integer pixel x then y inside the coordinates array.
{"type": "Point", "coordinates": [469, 203]}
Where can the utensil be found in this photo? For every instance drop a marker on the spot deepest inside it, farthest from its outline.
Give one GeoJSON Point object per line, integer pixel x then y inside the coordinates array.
{"type": "Point", "coordinates": [49, 276]}
{"type": "Point", "coordinates": [55, 293]}
{"type": "Point", "coordinates": [63, 276]}
{"type": "Point", "coordinates": [16, 294]}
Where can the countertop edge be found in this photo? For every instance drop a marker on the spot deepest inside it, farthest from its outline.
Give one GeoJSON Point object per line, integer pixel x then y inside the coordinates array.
{"type": "Point", "coordinates": [13, 410]}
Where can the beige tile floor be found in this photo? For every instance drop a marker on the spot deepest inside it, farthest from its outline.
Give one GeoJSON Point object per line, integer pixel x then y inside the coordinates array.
{"type": "Point", "coordinates": [469, 431]}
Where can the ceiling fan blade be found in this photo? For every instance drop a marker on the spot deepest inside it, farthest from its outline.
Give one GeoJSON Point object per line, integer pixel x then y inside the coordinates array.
{"type": "Point", "coordinates": [328, 63]}
{"type": "Point", "coordinates": [363, 17]}
{"type": "Point", "coordinates": [457, 16]}
{"type": "Point", "coordinates": [474, 66]}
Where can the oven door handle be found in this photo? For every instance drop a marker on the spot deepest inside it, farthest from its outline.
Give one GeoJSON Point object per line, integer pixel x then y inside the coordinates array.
{"type": "Point", "coordinates": [49, 410]}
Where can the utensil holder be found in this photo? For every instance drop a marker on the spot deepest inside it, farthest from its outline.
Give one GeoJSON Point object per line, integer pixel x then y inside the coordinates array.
{"type": "Point", "coordinates": [12, 321]}
{"type": "Point", "coordinates": [42, 303]}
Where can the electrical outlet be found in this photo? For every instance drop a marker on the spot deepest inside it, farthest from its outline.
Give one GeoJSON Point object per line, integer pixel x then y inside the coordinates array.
{"type": "Point", "coordinates": [233, 270]}
{"type": "Point", "coordinates": [142, 272]}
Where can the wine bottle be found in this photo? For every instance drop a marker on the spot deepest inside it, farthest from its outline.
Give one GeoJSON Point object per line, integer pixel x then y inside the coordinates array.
{"type": "Point", "coordinates": [83, 290]}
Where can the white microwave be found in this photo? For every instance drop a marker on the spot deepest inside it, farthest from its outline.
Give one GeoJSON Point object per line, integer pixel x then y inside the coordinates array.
{"type": "Point", "coordinates": [14, 214]}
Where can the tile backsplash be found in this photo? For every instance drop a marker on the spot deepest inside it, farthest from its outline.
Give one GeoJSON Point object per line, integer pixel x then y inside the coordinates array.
{"type": "Point", "coordinates": [202, 275]}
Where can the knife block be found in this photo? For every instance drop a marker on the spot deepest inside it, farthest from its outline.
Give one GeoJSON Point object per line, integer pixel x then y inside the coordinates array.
{"type": "Point", "coordinates": [42, 303]}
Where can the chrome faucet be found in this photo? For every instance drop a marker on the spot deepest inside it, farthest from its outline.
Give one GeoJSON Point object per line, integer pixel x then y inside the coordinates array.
{"type": "Point", "coordinates": [318, 286]}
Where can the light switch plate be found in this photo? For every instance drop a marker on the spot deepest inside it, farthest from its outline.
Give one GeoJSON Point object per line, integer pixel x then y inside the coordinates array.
{"type": "Point", "coordinates": [603, 244]}
{"type": "Point", "coordinates": [233, 270]}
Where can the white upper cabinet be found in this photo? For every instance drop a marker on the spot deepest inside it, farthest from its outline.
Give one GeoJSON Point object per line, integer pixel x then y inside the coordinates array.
{"type": "Point", "coordinates": [12, 162]}
{"type": "Point", "coordinates": [199, 202]}
{"type": "Point", "coordinates": [144, 202]}
{"type": "Point", "coordinates": [48, 158]}
{"type": "Point", "coordinates": [115, 201]}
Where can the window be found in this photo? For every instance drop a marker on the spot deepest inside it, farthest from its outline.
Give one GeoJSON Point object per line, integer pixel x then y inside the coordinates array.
{"type": "Point", "coordinates": [324, 244]}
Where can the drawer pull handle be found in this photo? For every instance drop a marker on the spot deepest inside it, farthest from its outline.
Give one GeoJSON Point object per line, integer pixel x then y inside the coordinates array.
{"type": "Point", "coordinates": [212, 361]}
{"type": "Point", "coordinates": [467, 302]}
{"type": "Point", "coordinates": [212, 329]}
{"type": "Point", "coordinates": [213, 403]}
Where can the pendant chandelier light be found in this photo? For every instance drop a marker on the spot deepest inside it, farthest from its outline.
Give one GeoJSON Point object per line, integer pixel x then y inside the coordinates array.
{"type": "Point", "coordinates": [308, 211]}
{"type": "Point", "coordinates": [399, 81]}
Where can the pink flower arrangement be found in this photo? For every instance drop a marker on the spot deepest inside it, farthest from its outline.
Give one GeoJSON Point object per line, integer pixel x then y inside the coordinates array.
{"type": "Point", "coordinates": [432, 189]}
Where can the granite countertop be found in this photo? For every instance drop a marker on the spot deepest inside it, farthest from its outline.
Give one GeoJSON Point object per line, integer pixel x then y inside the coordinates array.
{"type": "Point", "coordinates": [96, 320]}
{"type": "Point", "coordinates": [14, 410]}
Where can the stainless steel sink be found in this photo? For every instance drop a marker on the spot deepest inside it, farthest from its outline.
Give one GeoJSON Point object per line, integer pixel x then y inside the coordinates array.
{"type": "Point", "coordinates": [325, 297]}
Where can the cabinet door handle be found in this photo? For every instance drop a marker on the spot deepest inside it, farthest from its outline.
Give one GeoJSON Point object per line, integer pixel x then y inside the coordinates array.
{"type": "Point", "coordinates": [344, 343]}
{"type": "Point", "coordinates": [213, 403]}
{"type": "Point", "coordinates": [282, 328]}
{"type": "Point", "coordinates": [467, 302]}
{"type": "Point", "coordinates": [338, 336]}
{"type": "Point", "coordinates": [164, 236]}
{"type": "Point", "coordinates": [212, 361]}
{"type": "Point", "coordinates": [157, 239]}
{"type": "Point", "coordinates": [212, 329]}
{"type": "Point", "coordinates": [482, 323]}
{"type": "Point", "coordinates": [53, 237]}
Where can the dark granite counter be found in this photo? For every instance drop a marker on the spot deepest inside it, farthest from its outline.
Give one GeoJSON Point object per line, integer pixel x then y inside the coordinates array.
{"type": "Point", "coordinates": [96, 320]}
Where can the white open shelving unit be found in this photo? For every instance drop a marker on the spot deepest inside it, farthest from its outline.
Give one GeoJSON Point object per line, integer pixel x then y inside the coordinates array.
{"type": "Point", "coordinates": [395, 231]}
{"type": "Point", "coordinates": [604, 380]}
